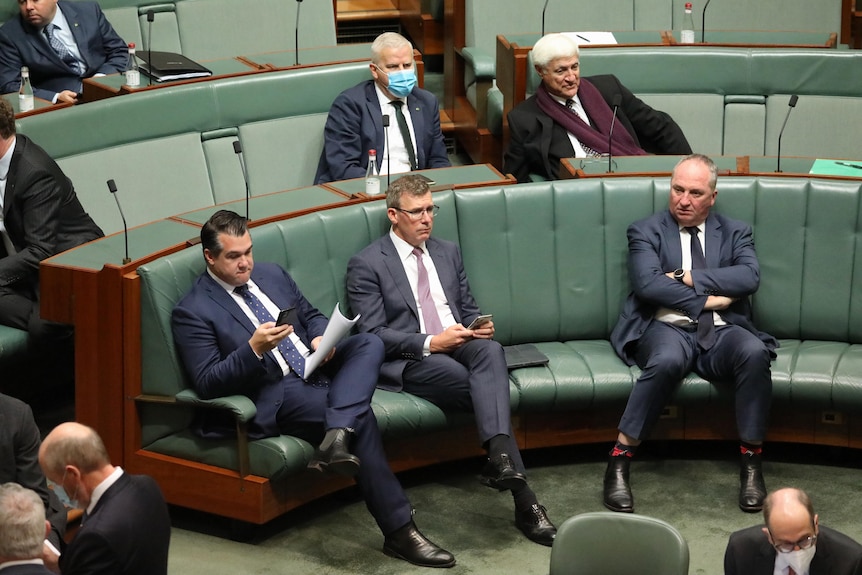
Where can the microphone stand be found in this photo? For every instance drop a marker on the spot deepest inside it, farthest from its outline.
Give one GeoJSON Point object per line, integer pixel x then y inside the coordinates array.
{"type": "Point", "coordinates": [703, 21]}
{"type": "Point", "coordinates": [237, 149]}
{"type": "Point", "coordinates": [616, 101]}
{"type": "Point", "coordinates": [791, 104]}
{"type": "Point", "coordinates": [296, 33]}
{"type": "Point", "coordinates": [112, 187]}
{"type": "Point", "coordinates": [386, 146]}
{"type": "Point", "coordinates": [150, 17]}
{"type": "Point", "coordinates": [545, 7]}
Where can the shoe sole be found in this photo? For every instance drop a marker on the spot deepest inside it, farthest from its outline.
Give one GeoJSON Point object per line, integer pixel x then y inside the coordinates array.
{"type": "Point", "coordinates": [508, 484]}
{"type": "Point", "coordinates": [347, 468]}
{"type": "Point", "coordinates": [397, 555]}
{"type": "Point", "coordinates": [619, 509]}
{"type": "Point", "coordinates": [748, 509]}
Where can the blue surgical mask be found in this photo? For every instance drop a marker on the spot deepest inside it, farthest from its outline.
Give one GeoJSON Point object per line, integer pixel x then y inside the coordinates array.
{"type": "Point", "coordinates": [401, 82]}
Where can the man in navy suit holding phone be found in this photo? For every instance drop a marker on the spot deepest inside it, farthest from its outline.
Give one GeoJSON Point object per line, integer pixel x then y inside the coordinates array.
{"type": "Point", "coordinates": [429, 352]}
{"type": "Point", "coordinates": [229, 342]}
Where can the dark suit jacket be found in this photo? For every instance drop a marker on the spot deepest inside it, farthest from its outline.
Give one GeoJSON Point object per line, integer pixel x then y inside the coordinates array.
{"type": "Point", "coordinates": [19, 461]}
{"type": "Point", "coordinates": [355, 125]}
{"type": "Point", "coordinates": [537, 143]}
{"type": "Point", "coordinates": [655, 248]}
{"type": "Point", "coordinates": [212, 332]}
{"type": "Point", "coordinates": [21, 44]}
{"type": "Point", "coordinates": [128, 533]}
{"type": "Point", "coordinates": [42, 213]}
{"type": "Point", "coordinates": [750, 553]}
{"type": "Point", "coordinates": [379, 291]}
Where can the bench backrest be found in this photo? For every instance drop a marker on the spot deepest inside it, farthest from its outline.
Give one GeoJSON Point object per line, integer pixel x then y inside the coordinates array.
{"type": "Point", "coordinates": [171, 150]}
{"type": "Point", "coordinates": [549, 259]}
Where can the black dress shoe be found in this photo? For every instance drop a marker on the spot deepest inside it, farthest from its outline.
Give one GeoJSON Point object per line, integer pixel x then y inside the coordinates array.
{"type": "Point", "coordinates": [752, 488]}
{"type": "Point", "coordinates": [409, 544]}
{"type": "Point", "coordinates": [500, 473]}
{"type": "Point", "coordinates": [333, 455]}
{"type": "Point", "coordinates": [617, 493]}
{"type": "Point", "coordinates": [534, 523]}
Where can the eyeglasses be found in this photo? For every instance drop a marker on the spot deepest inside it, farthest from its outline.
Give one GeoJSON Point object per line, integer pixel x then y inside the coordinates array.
{"type": "Point", "coordinates": [417, 214]}
{"type": "Point", "coordinates": [804, 543]}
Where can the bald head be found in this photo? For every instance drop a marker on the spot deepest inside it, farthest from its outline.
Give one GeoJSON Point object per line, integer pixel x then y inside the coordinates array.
{"type": "Point", "coordinates": [789, 516]}
{"type": "Point", "coordinates": [72, 444]}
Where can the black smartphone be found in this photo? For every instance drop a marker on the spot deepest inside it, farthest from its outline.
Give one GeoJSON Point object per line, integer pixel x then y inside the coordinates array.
{"type": "Point", "coordinates": [286, 316]}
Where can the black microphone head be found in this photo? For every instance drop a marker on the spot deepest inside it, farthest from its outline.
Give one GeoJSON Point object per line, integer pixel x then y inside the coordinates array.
{"type": "Point", "coordinates": [237, 147]}
{"type": "Point", "coordinates": [150, 15]}
{"type": "Point", "coordinates": [793, 99]}
{"type": "Point", "coordinates": [112, 187]}
{"type": "Point", "coordinates": [385, 120]}
{"type": "Point", "coordinates": [617, 100]}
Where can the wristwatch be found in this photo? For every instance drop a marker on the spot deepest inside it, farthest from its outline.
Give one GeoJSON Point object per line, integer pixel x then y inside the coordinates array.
{"type": "Point", "coordinates": [678, 274]}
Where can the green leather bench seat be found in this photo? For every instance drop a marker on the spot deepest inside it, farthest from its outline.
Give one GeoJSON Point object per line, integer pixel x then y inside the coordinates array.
{"type": "Point", "coordinates": [171, 150]}
{"type": "Point", "coordinates": [13, 344]}
{"type": "Point", "coordinates": [548, 260]}
{"type": "Point", "coordinates": [733, 101]}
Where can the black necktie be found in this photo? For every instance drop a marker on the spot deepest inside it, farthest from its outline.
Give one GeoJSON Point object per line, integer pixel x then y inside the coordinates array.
{"type": "Point", "coordinates": [405, 132]}
{"type": "Point", "coordinates": [705, 322]}
{"type": "Point", "coordinates": [288, 351]}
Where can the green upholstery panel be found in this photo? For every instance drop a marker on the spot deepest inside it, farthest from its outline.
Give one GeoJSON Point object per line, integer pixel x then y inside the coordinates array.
{"type": "Point", "coordinates": [821, 16]}
{"type": "Point", "coordinates": [165, 30]}
{"type": "Point", "coordinates": [819, 126]}
{"type": "Point", "coordinates": [172, 169]}
{"type": "Point", "coordinates": [701, 117]}
{"type": "Point", "coordinates": [743, 128]}
{"type": "Point", "coordinates": [549, 261]}
{"type": "Point", "coordinates": [225, 171]}
{"type": "Point", "coordinates": [211, 29]}
{"type": "Point", "coordinates": [125, 22]}
{"type": "Point", "coordinates": [13, 344]}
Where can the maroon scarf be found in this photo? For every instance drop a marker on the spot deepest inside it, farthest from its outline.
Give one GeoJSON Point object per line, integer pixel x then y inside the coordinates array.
{"type": "Point", "coordinates": [601, 115]}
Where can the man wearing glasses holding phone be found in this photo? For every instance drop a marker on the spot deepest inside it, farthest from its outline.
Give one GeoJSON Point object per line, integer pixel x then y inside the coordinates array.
{"type": "Point", "coordinates": [411, 290]}
{"type": "Point", "coordinates": [791, 543]}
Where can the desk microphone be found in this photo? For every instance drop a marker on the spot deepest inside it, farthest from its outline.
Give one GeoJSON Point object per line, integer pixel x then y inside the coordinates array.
{"type": "Point", "coordinates": [791, 104]}
{"type": "Point", "coordinates": [296, 32]}
{"type": "Point", "coordinates": [112, 187]}
{"type": "Point", "coordinates": [237, 149]}
{"type": "Point", "coordinates": [545, 7]}
{"type": "Point", "coordinates": [703, 21]}
{"type": "Point", "coordinates": [150, 17]}
{"type": "Point", "coordinates": [386, 147]}
{"type": "Point", "coordinates": [616, 103]}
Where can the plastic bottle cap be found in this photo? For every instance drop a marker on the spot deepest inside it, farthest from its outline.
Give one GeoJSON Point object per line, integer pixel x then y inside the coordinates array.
{"type": "Point", "coordinates": [372, 152]}
{"type": "Point", "coordinates": [688, 5]}
{"type": "Point", "coordinates": [131, 45]}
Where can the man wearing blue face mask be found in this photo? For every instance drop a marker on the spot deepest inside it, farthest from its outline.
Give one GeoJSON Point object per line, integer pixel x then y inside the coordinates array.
{"type": "Point", "coordinates": [792, 542]}
{"type": "Point", "coordinates": [411, 141]}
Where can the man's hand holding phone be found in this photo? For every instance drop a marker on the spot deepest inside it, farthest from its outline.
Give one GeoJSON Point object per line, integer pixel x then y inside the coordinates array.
{"type": "Point", "coordinates": [483, 326]}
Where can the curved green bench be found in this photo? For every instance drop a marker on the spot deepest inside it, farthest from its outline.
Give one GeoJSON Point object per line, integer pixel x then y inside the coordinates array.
{"type": "Point", "coordinates": [548, 259]}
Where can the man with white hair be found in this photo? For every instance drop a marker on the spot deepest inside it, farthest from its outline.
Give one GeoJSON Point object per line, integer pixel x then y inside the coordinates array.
{"type": "Point", "coordinates": [571, 117]}
{"type": "Point", "coordinates": [23, 528]}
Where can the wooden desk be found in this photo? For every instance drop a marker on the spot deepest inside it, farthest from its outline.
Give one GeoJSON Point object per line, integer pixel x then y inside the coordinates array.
{"type": "Point", "coordinates": [456, 178]}
{"type": "Point", "coordinates": [627, 166]}
{"type": "Point", "coordinates": [115, 84]}
{"type": "Point", "coordinates": [757, 38]}
{"type": "Point", "coordinates": [39, 106]}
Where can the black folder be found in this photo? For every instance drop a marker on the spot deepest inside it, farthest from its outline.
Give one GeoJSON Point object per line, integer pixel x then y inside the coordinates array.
{"type": "Point", "coordinates": [524, 355]}
{"type": "Point", "coordinates": [168, 66]}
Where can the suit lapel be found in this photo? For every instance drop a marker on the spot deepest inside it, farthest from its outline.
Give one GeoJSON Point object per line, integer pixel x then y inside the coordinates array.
{"type": "Point", "coordinates": [226, 302]}
{"type": "Point", "coordinates": [372, 105]}
{"type": "Point", "coordinates": [12, 174]}
{"type": "Point", "coordinates": [78, 29]}
{"type": "Point", "coordinates": [446, 275]}
{"type": "Point", "coordinates": [417, 117]}
{"type": "Point", "coordinates": [714, 239]}
{"type": "Point", "coordinates": [671, 239]}
{"type": "Point", "coordinates": [399, 276]}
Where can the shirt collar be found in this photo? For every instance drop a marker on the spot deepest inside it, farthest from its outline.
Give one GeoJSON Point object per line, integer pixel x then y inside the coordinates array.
{"type": "Point", "coordinates": [59, 20]}
{"type": "Point", "coordinates": [102, 487]}
{"type": "Point", "coordinates": [404, 249]}
{"type": "Point", "coordinates": [383, 98]}
{"type": "Point", "coordinates": [6, 160]}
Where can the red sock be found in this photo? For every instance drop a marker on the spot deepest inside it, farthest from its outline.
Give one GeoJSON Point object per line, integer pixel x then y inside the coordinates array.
{"type": "Point", "coordinates": [748, 449]}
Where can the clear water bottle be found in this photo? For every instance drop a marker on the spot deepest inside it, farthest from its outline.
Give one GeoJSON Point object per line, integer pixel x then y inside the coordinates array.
{"type": "Point", "coordinates": [25, 92]}
{"type": "Point", "coordinates": [687, 34]}
{"type": "Point", "coordinates": [372, 176]}
{"type": "Point", "coordinates": [133, 75]}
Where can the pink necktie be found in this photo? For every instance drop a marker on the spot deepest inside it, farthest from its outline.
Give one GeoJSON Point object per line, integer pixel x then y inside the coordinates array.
{"type": "Point", "coordinates": [433, 325]}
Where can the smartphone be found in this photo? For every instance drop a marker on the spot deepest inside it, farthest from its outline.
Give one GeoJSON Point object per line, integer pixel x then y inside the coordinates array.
{"type": "Point", "coordinates": [480, 321]}
{"type": "Point", "coordinates": [286, 316]}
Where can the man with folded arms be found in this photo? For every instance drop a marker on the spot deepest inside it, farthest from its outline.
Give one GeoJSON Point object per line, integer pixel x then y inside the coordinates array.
{"type": "Point", "coordinates": [692, 273]}
{"type": "Point", "coordinates": [230, 344]}
{"type": "Point", "coordinates": [411, 290]}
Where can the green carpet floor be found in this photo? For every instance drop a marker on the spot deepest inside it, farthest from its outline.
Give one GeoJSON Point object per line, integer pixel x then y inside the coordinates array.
{"type": "Point", "coordinates": [691, 485]}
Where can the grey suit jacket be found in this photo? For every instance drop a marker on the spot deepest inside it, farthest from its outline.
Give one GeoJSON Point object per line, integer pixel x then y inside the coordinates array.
{"type": "Point", "coordinates": [378, 289]}
{"type": "Point", "coordinates": [750, 553]}
{"type": "Point", "coordinates": [21, 44]}
{"type": "Point", "coordinates": [19, 461]}
{"type": "Point", "coordinates": [42, 214]}
{"type": "Point", "coordinates": [655, 248]}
